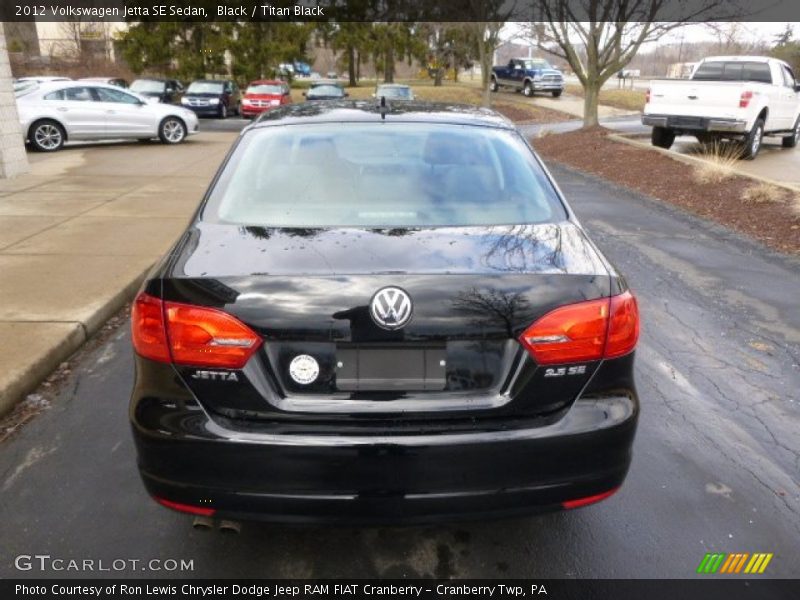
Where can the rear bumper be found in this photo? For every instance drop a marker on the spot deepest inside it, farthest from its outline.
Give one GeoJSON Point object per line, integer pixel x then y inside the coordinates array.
{"type": "Point", "coordinates": [710, 124]}
{"type": "Point", "coordinates": [186, 457]}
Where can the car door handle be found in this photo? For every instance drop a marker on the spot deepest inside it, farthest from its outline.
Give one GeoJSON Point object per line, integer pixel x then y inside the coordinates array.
{"type": "Point", "coordinates": [62, 109]}
{"type": "Point", "coordinates": [111, 111]}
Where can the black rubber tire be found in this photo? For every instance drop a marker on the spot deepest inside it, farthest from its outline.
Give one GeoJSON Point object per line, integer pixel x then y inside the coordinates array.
{"type": "Point", "coordinates": [164, 131]}
{"type": "Point", "coordinates": [662, 137]}
{"type": "Point", "coordinates": [557, 93]}
{"type": "Point", "coordinates": [493, 85]}
{"type": "Point", "coordinates": [57, 135]}
{"type": "Point", "coordinates": [223, 111]}
{"type": "Point", "coordinates": [752, 143]}
{"type": "Point", "coordinates": [527, 89]}
{"type": "Point", "coordinates": [790, 141]}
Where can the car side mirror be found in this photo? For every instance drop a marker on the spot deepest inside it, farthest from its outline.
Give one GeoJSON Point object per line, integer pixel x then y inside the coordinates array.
{"type": "Point", "coordinates": [797, 87]}
{"type": "Point", "coordinates": [304, 94]}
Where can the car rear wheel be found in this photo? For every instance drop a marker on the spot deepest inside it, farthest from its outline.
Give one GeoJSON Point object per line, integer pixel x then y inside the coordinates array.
{"type": "Point", "coordinates": [752, 143]}
{"type": "Point", "coordinates": [172, 131]}
{"type": "Point", "coordinates": [557, 93]}
{"type": "Point", "coordinates": [527, 89]}
{"type": "Point", "coordinates": [493, 85]}
{"type": "Point", "coordinates": [47, 136]}
{"type": "Point", "coordinates": [790, 141]}
{"type": "Point", "coordinates": [662, 137]}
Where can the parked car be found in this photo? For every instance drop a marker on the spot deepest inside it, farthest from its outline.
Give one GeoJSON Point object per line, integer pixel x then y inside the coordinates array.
{"type": "Point", "coordinates": [117, 81]}
{"type": "Point", "coordinates": [302, 69]}
{"type": "Point", "coordinates": [383, 314]}
{"type": "Point", "coordinates": [325, 90]}
{"type": "Point", "coordinates": [213, 98]}
{"type": "Point", "coordinates": [168, 91]}
{"type": "Point", "coordinates": [393, 91]}
{"type": "Point", "coordinates": [58, 112]}
{"type": "Point", "coordinates": [263, 95]}
{"type": "Point", "coordinates": [741, 98]}
{"type": "Point", "coordinates": [528, 75]}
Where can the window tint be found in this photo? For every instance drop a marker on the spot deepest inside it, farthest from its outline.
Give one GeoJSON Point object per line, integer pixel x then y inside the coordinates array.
{"type": "Point", "coordinates": [733, 71]}
{"type": "Point", "coordinates": [57, 95]}
{"type": "Point", "coordinates": [107, 95]}
{"type": "Point", "coordinates": [79, 94]}
{"type": "Point", "coordinates": [387, 175]}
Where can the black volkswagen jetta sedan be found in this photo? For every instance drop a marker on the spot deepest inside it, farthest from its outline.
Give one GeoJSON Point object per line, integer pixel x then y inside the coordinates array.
{"type": "Point", "coordinates": [383, 314]}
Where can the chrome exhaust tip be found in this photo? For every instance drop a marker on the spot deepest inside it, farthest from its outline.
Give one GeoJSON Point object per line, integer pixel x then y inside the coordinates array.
{"type": "Point", "coordinates": [204, 523]}
{"type": "Point", "coordinates": [226, 526]}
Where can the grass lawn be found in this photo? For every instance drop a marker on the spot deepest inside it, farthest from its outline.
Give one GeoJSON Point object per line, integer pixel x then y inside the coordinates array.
{"type": "Point", "coordinates": [625, 99]}
{"type": "Point", "coordinates": [516, 108]}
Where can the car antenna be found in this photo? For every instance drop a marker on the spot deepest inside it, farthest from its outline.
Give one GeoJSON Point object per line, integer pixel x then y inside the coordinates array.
{"type": "Point", "coordinates": [384, 108]}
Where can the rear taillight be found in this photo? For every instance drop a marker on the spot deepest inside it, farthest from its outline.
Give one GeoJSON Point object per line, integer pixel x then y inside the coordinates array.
{"type": "Point", "coordinates": [147, 328]}
{"type": "Point", "coordinates": [591, 330]}
{"type": "Point", "coordinates": [190, 335]}
{"type": "Point", "coordinates": [744, 99]}
{"type": "Point", "coordinates": [647, 96]}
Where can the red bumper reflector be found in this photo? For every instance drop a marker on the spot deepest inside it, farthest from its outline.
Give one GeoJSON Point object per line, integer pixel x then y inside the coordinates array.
{"type": "Point", "coordinates": [578, 502]}
{"type": "Point", "coordinates": [203, 511]}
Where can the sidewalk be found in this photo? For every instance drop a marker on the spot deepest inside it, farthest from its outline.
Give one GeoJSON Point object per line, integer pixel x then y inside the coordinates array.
{"type": "Point", "coordinates": [573, 105]}
{"type": "Point", "coordinates": [77, 235]}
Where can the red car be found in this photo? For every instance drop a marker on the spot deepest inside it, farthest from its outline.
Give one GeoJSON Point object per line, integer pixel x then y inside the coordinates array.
{"type": "Point", "coordinates": [264, 95]}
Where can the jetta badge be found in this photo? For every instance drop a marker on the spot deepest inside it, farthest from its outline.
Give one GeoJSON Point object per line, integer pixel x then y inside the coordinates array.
{"type": "Point", "coordinates": [390, 308]}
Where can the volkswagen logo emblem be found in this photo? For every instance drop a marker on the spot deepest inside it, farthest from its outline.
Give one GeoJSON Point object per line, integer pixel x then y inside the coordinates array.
{"type": "Point", "coordinates": [390, 308]}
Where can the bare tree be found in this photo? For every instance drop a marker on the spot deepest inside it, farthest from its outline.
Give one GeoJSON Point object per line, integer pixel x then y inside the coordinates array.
{"type": "Point", "coordinates": [598, 38]}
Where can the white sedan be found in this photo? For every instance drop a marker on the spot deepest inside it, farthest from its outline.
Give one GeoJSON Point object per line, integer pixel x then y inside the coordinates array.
{"type": "Point", "coordinates": [56, 112]}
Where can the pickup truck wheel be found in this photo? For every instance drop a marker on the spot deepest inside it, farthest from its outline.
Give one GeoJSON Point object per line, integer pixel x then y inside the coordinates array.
{"type": "Point", "coordinates": [527, 89]}
{"type": "Point", "coordinates": [493, 85]}
{"type": "Point", "coordinates": [790, 141]}
{"type": "Point", "coordinates": [752, 143]}
{"type": "Point", "coordinates": [557, 93]}
{"type": "Point", "coordinates": [662, 137]}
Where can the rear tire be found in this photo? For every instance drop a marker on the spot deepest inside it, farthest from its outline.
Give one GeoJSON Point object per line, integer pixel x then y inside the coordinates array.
{"type": "Point", "coordinates": [493, 85]}
{"type": "Point", "coordinates": [557, 93]}
{"type": "Point", "coordinates": [752, 143]}
{"type": "Point", "coordinates": [172, 131]}
{"type": "Point", "coordinates": [46, 136]}
{"type": "Point", "coordinates": [527, 89]}
{"type": "Point", "coordinates": [662, 137]}
{"type": "Point", "coordinates": [790, 141]}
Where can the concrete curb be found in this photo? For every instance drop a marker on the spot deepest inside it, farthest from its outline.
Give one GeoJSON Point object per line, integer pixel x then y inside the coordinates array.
{"type": "Point", "coordinates": [694, 160]}
{"type": "Point", "coordinates": [76, 335]}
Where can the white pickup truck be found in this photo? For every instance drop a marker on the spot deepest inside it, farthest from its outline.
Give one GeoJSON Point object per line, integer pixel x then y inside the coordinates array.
{"type": "Point", "coordinates": [730, 97]}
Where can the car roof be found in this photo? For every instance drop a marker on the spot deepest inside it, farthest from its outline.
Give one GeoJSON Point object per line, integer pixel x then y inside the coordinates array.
{"type": "Point", "coordinates": [210, 80]}
{"type": "Point", "coordinates": [267, 82]}
{"type": "Point", "coordinates": [363, 111]}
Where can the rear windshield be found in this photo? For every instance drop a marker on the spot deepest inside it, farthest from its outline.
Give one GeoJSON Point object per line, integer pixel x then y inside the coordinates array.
{"type": "Point", "coordinates": [733, 71]}
{"type": "Point", "coordinates": [382, 175]}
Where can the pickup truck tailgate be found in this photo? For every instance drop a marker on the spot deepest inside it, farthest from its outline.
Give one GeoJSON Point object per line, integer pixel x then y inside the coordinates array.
{"type": "Point", "coordinates": [695, 98]}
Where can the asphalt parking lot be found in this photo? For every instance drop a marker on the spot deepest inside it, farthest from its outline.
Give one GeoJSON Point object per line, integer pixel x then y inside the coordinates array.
{"type": "Point", "coordinates": [715, 464]}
